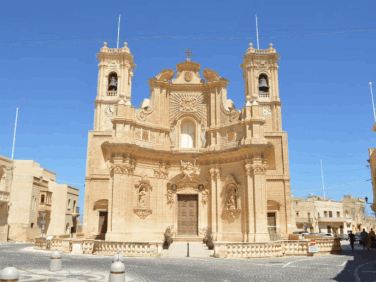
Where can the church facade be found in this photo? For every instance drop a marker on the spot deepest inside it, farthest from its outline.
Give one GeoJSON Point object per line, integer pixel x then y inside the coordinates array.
{"type": "Point", "coordinates": [187, 158]}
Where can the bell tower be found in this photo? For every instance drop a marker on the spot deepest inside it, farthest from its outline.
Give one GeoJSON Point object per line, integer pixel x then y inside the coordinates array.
{"type": "Point", "coordinates": [260, 72]}
{"type": "Point", "coordinates": [114, 84]}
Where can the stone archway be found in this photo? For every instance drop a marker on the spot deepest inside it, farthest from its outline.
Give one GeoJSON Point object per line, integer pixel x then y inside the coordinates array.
{"type": "Point", "coordinates": [101, 209]}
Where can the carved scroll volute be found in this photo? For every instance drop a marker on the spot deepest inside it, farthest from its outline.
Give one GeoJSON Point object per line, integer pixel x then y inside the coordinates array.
{"type": "Point", "coordinates": [256, 167]}
{"type": "Point", "coordinates": [127, 167]}
{"type": "Point", "coordinates": [162, 171]}
{"type": "Point", "coordinates": [215, 172]}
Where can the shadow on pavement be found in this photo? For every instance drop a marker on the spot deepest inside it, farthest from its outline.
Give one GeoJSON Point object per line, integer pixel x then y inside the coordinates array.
{"type": "Point", "coordinates": [361, 267]}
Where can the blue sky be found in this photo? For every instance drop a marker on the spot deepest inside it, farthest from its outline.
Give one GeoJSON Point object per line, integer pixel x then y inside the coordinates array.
{"type": "Point", "coordinates": [323, 80]}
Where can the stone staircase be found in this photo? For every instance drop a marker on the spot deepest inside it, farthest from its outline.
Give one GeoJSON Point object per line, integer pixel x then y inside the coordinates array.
{"type": "Point", "coordinates": [188, 239]}
{"type": "Point", "coordinates": [196, 250]}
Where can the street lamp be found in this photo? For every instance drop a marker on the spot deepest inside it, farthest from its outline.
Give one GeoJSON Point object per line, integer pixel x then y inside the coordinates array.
{"type": "Point", "coordinates": [366, 199]}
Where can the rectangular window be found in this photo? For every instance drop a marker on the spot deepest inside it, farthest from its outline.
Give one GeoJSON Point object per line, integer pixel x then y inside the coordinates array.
{"type": "Point", "coordinates": [338, 214]}
{"type": "Point", "coordinates": [309, 216]}
{"type": "Point", "coordinates": [325, 214]}
{"type": "Point", "coordinates": [330, 214]}
{"type": "Point", "coordinates": [297, 214]}
{"type": "Point", "coordinates": [329, 229]}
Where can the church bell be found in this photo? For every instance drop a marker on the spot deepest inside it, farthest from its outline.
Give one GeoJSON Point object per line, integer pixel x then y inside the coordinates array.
{"type": "Point", "coordinates": [113, 82]}
{"type": "Point", "coordinates": [263, 86]}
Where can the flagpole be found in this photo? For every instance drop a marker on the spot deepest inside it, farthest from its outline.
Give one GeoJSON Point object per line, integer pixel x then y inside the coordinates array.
{"type": "Point", "coordinates": [373, 104]}
{"type": "Point", "coordinates": [322, 174]}
{"type": "Point", "coordinates": [258, 47]}
{"type": "Point", "coordinates": [118, 33]}
{"type": "Point", "coordinates": [14, 137]}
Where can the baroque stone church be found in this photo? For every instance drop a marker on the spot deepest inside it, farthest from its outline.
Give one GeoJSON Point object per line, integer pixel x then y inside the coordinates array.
{"type": "Point", "coordinates": [187, 158]}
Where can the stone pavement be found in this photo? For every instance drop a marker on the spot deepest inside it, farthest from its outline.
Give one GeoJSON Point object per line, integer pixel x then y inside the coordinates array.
{"type": "Point", "coordinates": [357, 266]}
{"type": "Point", "coordinates": [196, 250]}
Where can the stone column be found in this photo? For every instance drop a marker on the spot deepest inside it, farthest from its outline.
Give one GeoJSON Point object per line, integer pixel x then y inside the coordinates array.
{"type": "Point", "coordinates": [213, 177]}
{"type": "Point", "coordinates": [257, 200]}
{"type": "Point", "coordinates": [250, 209]}
{"type": "Point", "coordinates": [219, 206]}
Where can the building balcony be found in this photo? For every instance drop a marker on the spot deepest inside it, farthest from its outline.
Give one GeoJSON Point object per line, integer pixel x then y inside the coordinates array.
{"type": "Point", "coordinates": [333, 219]}
{"type": "Point", "coordinates": [303, 220]}
{"type": "Point", "coordinates": [44, 207]}
{"type": "Point", "coordinates": [4, 197]}
{"type": "Point", "coordinates": [76, 213]}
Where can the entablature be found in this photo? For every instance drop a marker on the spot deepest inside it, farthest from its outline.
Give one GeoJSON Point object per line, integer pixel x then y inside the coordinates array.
{"type": "Point", "coordinates": [203, 158]}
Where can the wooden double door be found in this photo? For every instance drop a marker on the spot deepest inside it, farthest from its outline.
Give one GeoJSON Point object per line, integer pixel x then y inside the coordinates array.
{"type": "Point", "coordinates": [187, 214]}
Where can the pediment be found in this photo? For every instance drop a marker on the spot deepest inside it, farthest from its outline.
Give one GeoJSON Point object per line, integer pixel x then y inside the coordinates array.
{"type": "Point", "coordinates": [181, 178]}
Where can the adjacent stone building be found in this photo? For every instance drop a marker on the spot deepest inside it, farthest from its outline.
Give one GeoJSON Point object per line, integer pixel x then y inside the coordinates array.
{"type": "Point", "coordinates": [316, 214]}
{"type": "Point", "coordinates": [187, 158]}
{"type": "Point", "coordinates": [32, 190]}
{"type": "Point", "coordinates": [6, 169]}
{"type": "Point", "coordinates": [372, 162]}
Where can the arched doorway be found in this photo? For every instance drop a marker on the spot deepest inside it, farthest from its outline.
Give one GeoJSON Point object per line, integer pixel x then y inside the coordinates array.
{"type": "Point", "coordinates": [101, 208]}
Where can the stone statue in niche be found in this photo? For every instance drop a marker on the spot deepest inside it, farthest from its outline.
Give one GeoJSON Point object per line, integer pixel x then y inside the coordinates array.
{"type": "Point", "coordinates": [172, 135]}
{"type": "Point", "coordinates": [142, 197]}
{"type": "Point", "coordinates": [203, 136]}
{"type": "Point", "coordinates": [231, 202]}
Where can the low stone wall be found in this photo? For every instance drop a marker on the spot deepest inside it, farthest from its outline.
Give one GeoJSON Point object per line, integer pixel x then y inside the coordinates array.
{"type": "Point", "coordinates": [97, 247]}
{"type": "Point", "coordinates": [276, 248]}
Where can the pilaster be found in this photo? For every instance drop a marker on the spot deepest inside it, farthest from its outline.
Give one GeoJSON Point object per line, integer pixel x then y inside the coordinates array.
{"type": "Point", "coordinates": [257, 200]}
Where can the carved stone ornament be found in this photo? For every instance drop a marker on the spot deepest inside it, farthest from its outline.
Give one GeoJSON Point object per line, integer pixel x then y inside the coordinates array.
{"type": "Point", "coordinates": [188, 102]}
{"type": "Point", "coordinates": [188, 105]}
{"type": "Point", "coordinates": [123, 168]}
{"type": "Point", "coordinates": [215, 172]}
{"type": "Point", "coordinates": [267, 112]}
{"type": "Point", "coordinates": [142, 213]}
{"type": "Point", "coordinates": [188, 169]}
{"type": "Point", "coordinates": [188, 76]}
{"type": "Point", "coordinates": [162, 171]}
{"type": "Point", "coordinates": [232, 213]}
{"type": "Point", "coordinates": [144, 180]}
{"type": "Point", "coordinates": [188, 190]}
{"type": "Point", "coordinates": [257, 167]}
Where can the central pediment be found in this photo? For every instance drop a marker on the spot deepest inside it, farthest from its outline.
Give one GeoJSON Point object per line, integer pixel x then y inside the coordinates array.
{"type": "Point", "coordinates": [182, 178]}
{"type": "Point", "coordinates": [188, 73]}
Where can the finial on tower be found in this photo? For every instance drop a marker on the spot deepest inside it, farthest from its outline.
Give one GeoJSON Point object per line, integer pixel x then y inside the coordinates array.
{"type": "Point", "coordinates": [105, 44]}
{"type": "Point", "coordinates": [188, 52]}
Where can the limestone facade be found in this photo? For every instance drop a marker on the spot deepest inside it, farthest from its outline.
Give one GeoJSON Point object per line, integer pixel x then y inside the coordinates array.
{"type": "Point", "coordinates": [326, 216]}
{"type": "Point", "coordinates": [34, 190]}
{"type": "Point", "coordinates": [372, 162]}
{"type": "Point", "coordinates": [6, 170]}
{"type": "Point", "coordinates": [187, 158]}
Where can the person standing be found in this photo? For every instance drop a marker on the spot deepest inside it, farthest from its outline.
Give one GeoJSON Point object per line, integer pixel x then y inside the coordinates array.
{"type": "Point", "coordinates": [352, 240]}
{"type": "Point", "coordinates": [364, 235]}
{"type": "Point", "coordinates": [370, 239]}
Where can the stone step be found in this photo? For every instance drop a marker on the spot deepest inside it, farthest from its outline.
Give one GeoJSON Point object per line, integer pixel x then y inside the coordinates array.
{"type": "Point", "coordinates": [196, 250]}
{"type": "Point", "coordinates": [188, 239]}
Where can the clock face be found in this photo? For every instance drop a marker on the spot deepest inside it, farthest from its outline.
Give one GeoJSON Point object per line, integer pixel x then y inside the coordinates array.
{"type": "Point", "coordinates": [110, 111]}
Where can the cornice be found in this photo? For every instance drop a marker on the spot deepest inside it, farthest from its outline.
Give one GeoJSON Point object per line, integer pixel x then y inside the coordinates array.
{"type": "Point", "coordinates": [205, 158]}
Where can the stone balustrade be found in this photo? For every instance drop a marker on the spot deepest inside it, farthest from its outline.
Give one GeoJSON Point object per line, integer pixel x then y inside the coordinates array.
{"type": "Point", "coordinates": [57, 244]}
{"type": "Point", "coordinates": [295, 247]}
{"type": "Point", "coordinates": [126, 249]}
{"type": "Point", "coordinates": [97, 247]}
{"type": "Point", "coordinates": [275, 248]}
{"type": "Point", "coordinates": [253, 250]}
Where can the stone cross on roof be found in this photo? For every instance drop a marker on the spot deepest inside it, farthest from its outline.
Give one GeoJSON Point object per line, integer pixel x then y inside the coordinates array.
{"type": "Point", "coordinates": [188, 52]}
